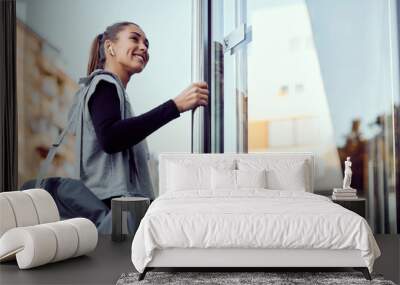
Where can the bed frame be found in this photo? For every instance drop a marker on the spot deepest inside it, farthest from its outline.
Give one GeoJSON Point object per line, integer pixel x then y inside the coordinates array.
{"type": "Point", "coordinates": [242, 259]}
{"type": "Point", "coordinates": [246, 258]}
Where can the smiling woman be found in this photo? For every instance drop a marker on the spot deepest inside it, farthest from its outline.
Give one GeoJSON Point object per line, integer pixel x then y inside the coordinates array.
{"type": "Point", "coordinates": [113, 157]}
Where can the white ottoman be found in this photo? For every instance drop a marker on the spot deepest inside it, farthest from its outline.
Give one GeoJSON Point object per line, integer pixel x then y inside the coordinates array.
{"type": "Point", "coordinates": [31, 230]}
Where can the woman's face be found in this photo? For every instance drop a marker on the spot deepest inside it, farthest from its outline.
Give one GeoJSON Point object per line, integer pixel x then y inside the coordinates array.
{"type": "Point", "coordinates": [131, 49]}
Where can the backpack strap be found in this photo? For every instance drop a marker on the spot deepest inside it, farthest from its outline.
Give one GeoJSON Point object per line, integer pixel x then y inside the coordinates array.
{"type": "Point", "coordinates": [53, 149]}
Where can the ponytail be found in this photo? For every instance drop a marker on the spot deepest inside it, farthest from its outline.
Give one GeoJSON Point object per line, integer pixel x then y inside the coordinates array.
{"type": "Point", "coordinates": [94, 57]}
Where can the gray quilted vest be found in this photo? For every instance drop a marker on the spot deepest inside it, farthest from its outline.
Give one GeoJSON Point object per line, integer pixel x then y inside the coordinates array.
{"type": "Point", "coordinates": [124, 173]}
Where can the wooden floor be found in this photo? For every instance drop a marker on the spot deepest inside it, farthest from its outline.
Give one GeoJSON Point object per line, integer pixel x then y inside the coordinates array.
{"type": "Point", "coordinates": [111, 259]}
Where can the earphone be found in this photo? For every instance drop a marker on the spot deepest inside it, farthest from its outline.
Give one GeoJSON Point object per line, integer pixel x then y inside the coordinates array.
{"type": "Point", "coordinates": [111, 51]}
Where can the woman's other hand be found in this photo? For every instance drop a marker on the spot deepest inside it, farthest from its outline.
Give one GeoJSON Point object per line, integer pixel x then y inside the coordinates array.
{"type": "Point", "coordinates": [196, 94]}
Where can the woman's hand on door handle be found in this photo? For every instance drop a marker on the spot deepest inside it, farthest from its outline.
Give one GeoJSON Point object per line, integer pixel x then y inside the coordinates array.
{"type": "Point", "coordinates": [196, 94]}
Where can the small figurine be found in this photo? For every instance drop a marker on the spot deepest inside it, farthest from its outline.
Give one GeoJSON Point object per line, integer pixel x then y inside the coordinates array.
{"type": "Point", "coordinates": [347, 174]}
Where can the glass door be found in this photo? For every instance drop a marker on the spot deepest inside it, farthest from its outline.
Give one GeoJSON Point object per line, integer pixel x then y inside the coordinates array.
{"type": "Point", "coordinates": [230, 36]}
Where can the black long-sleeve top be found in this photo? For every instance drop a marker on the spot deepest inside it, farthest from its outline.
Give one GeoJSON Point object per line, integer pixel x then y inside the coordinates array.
{"type": "Point", "coordinates": [115, 134]}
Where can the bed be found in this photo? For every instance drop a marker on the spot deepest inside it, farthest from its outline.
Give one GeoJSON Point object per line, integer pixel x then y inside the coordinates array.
{"type": "Point", "coordinates": [246, 211]}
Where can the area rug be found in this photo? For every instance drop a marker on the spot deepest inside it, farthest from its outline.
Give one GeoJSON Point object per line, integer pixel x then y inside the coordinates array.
{"type": "Point", "coordinates": [243, 278]}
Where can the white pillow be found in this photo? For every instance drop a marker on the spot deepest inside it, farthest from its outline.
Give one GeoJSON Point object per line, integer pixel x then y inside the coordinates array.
{"type": "Point", "coordinates": [251, 178]}
{"type": "Point", "coordinates": [223, 179]}
{"type": "Point", "coordinates": [187, 177]}
{"type": "Point", "coordinates": [227, 179]}
{"type": "Point", "coordinates": [291, 179]}
{"type": "Point", "coordinates": [193, 174]}
{"type": "Point", "coordinates": [282, 174]}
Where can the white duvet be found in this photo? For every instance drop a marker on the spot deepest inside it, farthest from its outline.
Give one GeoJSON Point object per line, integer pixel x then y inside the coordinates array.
{"type": "Point", "coordinates": [252, 218]}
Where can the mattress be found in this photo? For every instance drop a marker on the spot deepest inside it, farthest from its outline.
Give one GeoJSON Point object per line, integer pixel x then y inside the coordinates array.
{"type": "Point", "coordinates": [252, 219]}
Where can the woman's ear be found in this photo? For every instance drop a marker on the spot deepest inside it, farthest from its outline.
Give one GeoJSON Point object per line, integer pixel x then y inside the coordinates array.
{"type": "Point", "coordinates": [108, 47]}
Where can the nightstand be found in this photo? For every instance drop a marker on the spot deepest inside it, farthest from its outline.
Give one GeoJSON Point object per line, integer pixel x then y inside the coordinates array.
{"type": "Point", "coordinates": [136, 205]}
{"type": "Point", "coordinates": [358, 205]}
